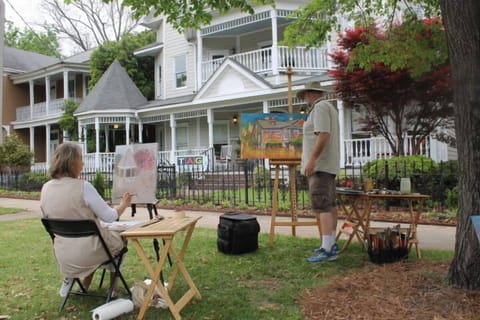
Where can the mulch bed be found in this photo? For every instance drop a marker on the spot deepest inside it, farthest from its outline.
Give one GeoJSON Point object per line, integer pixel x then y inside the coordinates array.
{"type": "Point", "coordinates": [403, 290]}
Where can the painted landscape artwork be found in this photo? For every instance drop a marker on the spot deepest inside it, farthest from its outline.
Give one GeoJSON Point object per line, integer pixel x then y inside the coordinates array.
{"type": "Point", "coordinates": [135, 171]}
{"type": "Point", "coordinates": [271, 135]}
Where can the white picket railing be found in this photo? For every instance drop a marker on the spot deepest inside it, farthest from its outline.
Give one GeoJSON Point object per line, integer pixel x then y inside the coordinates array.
{"type": "Point", "coordinates": [260, 61]}
{"type": "Point", "coordinates": [360, 151]}
{"type": "Point", "coordinates": [41, 110]}
{"type": "Point", "coordinates": [355, 152]}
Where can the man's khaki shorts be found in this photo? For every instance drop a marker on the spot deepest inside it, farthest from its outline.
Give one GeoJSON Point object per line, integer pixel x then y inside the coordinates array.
{"type": "Point", "coordinates": [321, 188]}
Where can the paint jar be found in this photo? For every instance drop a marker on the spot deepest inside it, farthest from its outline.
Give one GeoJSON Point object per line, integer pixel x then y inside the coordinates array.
{"type": "Point", "coordinates": [405, 186]}
{"type": "Point", "coordinates": [367, 185]}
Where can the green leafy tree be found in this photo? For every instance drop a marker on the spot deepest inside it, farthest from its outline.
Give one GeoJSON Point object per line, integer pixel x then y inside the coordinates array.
{"type": "Point", "coordinates": [189, 14]}
{"type": "Point", "coordinates": [461, 20]}
{"type": "Point", "coordinates": [68, 122]}
{"type": "Point", "coordinates": [138, 68]}
{"type": "Point", "coordinates": [29, 40]}
{"type": "Point", "coordinates": [14, 153]}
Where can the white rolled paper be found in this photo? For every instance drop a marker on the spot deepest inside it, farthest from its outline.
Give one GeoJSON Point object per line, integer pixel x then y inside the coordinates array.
{"type": "Point", "coordinates": [112, 309]}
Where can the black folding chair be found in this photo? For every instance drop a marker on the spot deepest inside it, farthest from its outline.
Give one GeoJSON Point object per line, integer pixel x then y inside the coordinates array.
{"type": "Point", "coordinates": [79, 229]}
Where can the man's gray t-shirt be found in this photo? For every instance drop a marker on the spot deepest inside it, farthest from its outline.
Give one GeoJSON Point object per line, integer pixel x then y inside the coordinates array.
{"type": "Point", "coordinates": [322, 118]}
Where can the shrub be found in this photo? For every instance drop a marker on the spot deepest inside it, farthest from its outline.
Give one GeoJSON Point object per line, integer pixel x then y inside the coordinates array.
{"type": "Point", "coordinates": [32, 181]}
{"type": "Point", "coordinates": [99, 184]}
{"type": "Point", "coordinates": [387, 172]}
{"type": "Point", "coordinates": [14, 153]}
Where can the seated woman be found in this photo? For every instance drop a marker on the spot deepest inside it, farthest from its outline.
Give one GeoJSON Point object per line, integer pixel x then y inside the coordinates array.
{"type": "Point", "coordinates": [66, 196]}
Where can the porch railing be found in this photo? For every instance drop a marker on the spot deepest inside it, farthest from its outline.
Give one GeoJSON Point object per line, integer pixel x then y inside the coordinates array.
{"type": "Point", "coordinates": [41, 110]}
{"type": "Point", "coordinates": [360, 151]}
{"type": "Point", "coordinates": [260, 61]}
{"type": "Point", "coordinates": [355, 152]}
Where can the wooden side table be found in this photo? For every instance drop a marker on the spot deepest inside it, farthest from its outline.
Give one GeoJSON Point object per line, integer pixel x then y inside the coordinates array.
{"type": "Point", "coordinates": [415, 209]}
{"type": "Point", "coordinates": [356, 217]}
{"type": "Point", "coordinates": [165, 229]}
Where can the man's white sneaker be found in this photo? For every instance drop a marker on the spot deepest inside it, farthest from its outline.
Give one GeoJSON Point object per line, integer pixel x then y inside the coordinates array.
{"type": "Point", "coordinates": [66, 285]}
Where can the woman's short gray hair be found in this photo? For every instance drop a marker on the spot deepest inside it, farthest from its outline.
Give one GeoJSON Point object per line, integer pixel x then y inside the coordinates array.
{"type": "Point", "coordinates": [64, 159]}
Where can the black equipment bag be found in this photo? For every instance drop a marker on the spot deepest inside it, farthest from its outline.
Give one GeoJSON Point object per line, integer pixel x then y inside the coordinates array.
{"type": "Point", "coordinates": [237, 233]}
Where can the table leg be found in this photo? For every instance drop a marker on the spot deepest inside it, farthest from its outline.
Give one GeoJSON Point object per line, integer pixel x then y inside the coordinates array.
{"type": "Point", "coordinates": [154, 273]}
{"type": "Point", "coordinates": [414, 217]}
{"type": "Point", "coordinates": [274, 205]}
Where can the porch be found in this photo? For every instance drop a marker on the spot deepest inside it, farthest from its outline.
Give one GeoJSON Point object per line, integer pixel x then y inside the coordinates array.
{"type": "Point", "coordinates": [355, 153]}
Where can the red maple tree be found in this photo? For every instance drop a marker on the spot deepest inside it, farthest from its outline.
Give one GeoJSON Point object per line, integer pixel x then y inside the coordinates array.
{"type": "Point", "coordinates": [395, 99]}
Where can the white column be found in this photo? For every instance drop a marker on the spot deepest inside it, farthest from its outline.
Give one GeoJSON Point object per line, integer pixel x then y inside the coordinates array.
{"type": "Point", "coordinates": [32, 139]}
{"type": "Point", "coordinates": [265, 107]}
{"type": "Point", "coordinates": [97, 143]}
{"type": "Point", "coordinates": [47, 94]}
{"type": "Point", "coordinates": [210, 121]}
{"type": "Point", "coordinates": [127, 130]}
{"type": "Point", "coordinates": [47, 134]}
{"type": "Point", "coordinates": [31, 90]}
{"type": "Point", "coordinates": [273, 14]}
{"type": "Point", "coordinates": [84, 85]}
{"type": "Point", "coordinates": [140, 131]}
{"type": "Point", "coordinates": [341, 120]}
{"type": "Point", "coordinates": [107, 131]}
{"type": "Point", "coordinates": [65, 85]}
{"type": "Point", "coordinates": [173, 130]}
{"type": "Point", "coordinates": [199, 58]}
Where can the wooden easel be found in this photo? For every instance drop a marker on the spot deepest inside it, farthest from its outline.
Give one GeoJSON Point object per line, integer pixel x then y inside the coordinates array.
{"type": "Point", "coordinates": [294, 222]}
{"type": "Point", "coordinates": [292, 164]}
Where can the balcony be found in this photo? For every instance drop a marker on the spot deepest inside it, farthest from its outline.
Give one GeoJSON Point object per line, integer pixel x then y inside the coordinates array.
{"type": "Point", "coordinates": [41, 110]}
{"type": "Point", "coordinates": [261, 61]}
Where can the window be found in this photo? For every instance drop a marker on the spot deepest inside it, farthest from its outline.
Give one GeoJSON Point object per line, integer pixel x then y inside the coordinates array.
{"type": "Point", "coordinates": [182, 137]}
{"type": "Point", "coordinates": [181, 71]}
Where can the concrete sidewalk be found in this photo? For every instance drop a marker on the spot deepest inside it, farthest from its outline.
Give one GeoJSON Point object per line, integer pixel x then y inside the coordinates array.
{"type": "Point", "coordinates": [430, 237]}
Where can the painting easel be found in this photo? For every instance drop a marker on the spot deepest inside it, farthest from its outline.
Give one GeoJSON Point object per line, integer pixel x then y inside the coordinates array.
{"type": "Point", "coordinates": [292, 164]}
{"type": "Point", "coordinates": [294, 222]}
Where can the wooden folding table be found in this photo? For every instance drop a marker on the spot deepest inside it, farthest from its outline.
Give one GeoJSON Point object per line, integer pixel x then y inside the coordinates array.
{"type": "Point", "coordinates": [165, 229]}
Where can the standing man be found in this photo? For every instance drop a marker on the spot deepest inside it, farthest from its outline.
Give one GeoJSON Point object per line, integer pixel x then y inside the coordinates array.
{"type": "Point", "coordinates": [321, 164]}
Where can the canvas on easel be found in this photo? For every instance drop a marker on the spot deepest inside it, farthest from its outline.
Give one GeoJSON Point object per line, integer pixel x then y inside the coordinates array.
{"type": "Point", "coordinates": [271, 135]}
{"type": "Point", "coordinates": [135, 172]}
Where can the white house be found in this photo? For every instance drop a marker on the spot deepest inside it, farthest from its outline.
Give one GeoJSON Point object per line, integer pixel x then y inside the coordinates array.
{"type": "Point", "coordinates": [206, 79]}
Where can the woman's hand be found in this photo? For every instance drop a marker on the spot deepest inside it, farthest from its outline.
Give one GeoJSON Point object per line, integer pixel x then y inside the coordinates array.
{"type": "Point", "coordinates": [126, 199]}
{"type": "Point", "coordinates": [124, 203]}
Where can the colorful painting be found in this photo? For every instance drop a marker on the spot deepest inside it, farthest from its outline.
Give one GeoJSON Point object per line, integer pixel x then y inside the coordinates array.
{"type": "Point", "coordinates": [135, 171]}
{"type": "Point", "coordinates": [271, 135]}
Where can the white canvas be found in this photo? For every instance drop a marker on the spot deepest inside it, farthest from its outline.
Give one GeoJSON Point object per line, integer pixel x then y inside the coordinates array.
{"type": "Point", "coordinates": [135, 171]}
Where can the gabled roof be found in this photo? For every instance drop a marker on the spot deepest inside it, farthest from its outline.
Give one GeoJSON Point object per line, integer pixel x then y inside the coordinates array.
{"type": "Point", "coordinates": [232, 78]}
{"type": "Point", "coordinates": [21, 61]}
{"type": "Point", "coordinates": [114, 91]}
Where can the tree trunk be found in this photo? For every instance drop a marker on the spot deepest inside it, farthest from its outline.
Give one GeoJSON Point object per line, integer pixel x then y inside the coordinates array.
{"type": "Point", "coordinates": [463, 37]}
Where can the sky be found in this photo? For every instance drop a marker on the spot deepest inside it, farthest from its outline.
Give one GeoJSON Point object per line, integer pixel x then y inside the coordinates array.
{"type": "Point", "coordinates": [29, 12]}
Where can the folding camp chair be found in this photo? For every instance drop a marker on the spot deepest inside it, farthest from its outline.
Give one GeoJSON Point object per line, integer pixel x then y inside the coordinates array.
{"type": "Point", "coordinates": [79, 229]}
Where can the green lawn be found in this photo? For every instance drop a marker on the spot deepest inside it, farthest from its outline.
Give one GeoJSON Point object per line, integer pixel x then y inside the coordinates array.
{"type": "Point", "coordinates": [10, 210]}
{"type": "Point", "coordinates": [266, 284]}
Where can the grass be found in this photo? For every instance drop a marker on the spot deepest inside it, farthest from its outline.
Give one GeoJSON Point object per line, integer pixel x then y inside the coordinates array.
{"type": "Point", "coordinates": [10, 210]}
{"type": "Point", "coordinates": [267, 284]}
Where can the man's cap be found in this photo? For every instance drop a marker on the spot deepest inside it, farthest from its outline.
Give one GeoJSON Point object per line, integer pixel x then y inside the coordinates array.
{"type": "Point", "coordinates": [311, 86]}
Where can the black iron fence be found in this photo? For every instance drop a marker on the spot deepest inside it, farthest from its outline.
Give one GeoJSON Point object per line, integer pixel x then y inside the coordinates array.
{"type": "Point", "coordinates": [249, 183]}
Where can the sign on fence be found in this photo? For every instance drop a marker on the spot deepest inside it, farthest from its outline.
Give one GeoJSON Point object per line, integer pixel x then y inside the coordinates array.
{"type": "Point", "coordinates": [190, 163]}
